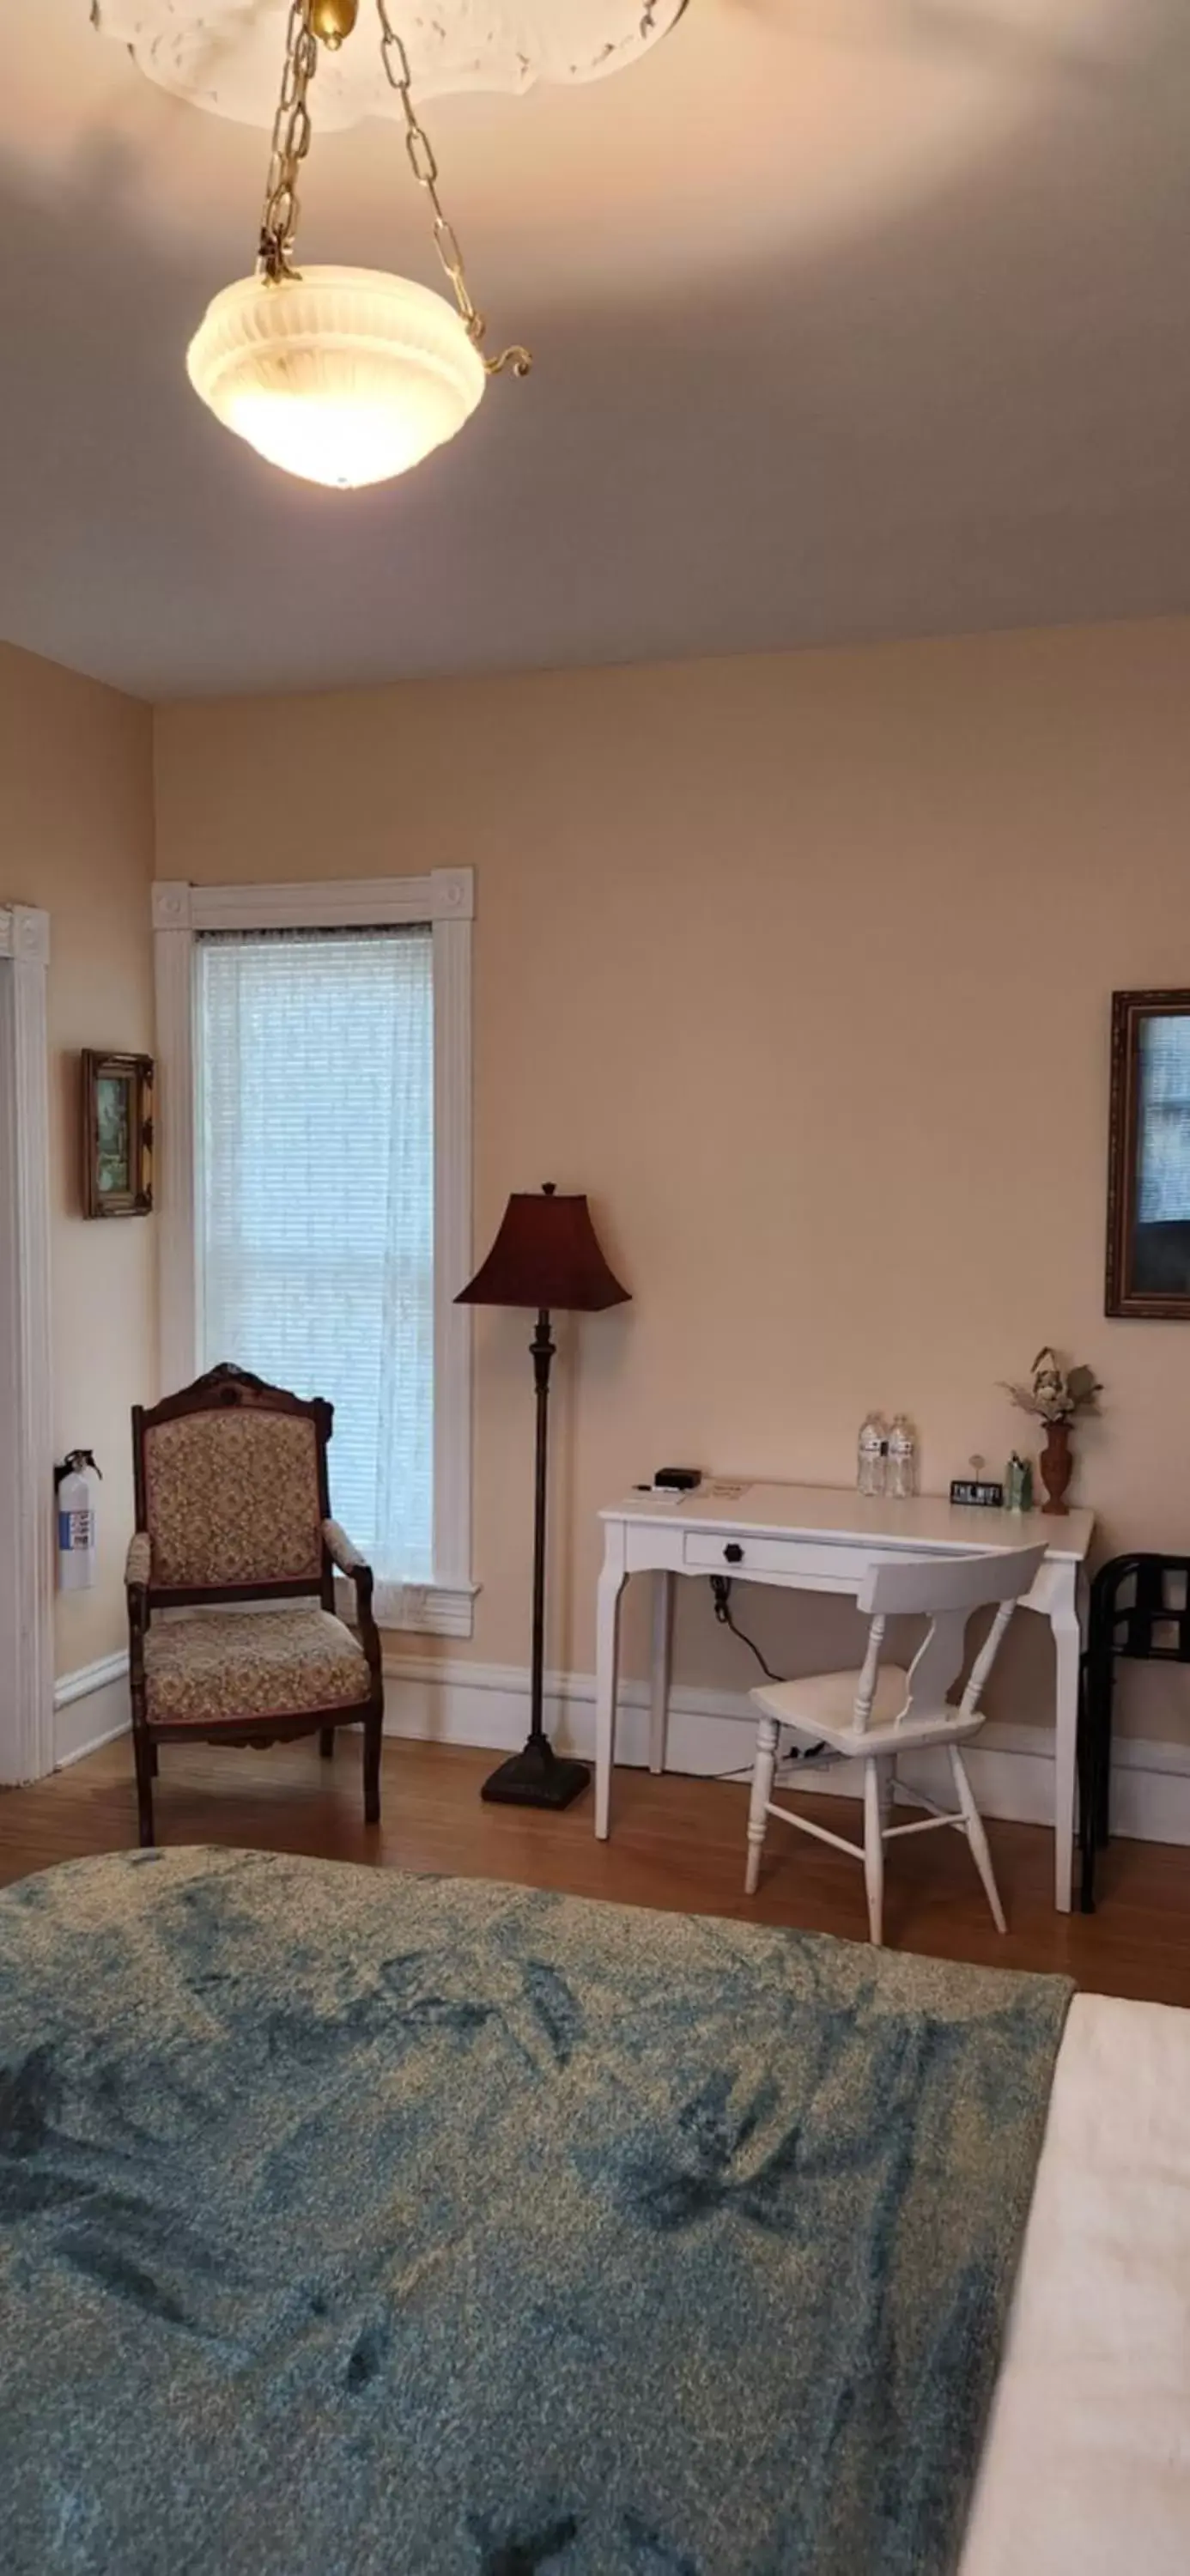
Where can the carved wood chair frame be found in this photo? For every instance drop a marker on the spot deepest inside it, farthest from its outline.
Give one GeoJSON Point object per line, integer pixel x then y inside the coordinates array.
{"type": "Point", "coordinates": [237, 1389]}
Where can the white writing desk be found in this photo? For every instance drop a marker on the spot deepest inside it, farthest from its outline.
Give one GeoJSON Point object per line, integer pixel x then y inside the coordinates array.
{"type": "Point", "coordinates": [814, 1538]}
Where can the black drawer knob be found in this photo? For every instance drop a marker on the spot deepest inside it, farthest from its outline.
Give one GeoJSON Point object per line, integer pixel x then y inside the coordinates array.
{"type": "Point", "coordinates": [733, 1552]}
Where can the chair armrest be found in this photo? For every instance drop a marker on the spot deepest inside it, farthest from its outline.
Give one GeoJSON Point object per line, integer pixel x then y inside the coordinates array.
{"type": "Point", "coordinates": [344, 1555]}
{"type": "Point", "coordinates": [356, 1567]}
{"type": "Point", "coordinates": [139, 1567]}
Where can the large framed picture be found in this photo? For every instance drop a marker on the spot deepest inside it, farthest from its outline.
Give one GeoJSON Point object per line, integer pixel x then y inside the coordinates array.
{"type": "Point", "coordinates": [1148, 1181]}
{"type": "Point", "coordinates": [117, 1134]}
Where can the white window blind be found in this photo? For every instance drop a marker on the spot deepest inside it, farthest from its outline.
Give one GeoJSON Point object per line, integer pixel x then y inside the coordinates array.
{"type": "Point", "coordinates": [1164, 1192]}
{"type": "Point", "coordinates": [315, 1202]}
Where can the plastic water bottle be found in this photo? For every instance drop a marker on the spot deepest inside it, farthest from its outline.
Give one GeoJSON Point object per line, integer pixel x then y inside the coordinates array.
{"type": "Point", "coordinates": [873, 1447]}
{"type": "Point", "coordinates": [901, 1480]}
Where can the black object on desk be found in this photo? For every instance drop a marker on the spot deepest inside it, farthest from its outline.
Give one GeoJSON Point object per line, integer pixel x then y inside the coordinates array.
{"type": "Point", "coordinates": [1132, 1620]}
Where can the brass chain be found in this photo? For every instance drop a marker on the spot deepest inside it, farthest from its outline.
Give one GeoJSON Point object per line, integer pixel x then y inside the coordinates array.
{"type": "Point", "coordinates": [425, 171]}
{"type": "Point", "coordinates": [291, 142]}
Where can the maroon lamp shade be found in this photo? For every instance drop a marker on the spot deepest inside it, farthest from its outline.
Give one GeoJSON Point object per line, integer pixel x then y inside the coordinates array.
{"type": "Point", "coordinates": [546, 1254]}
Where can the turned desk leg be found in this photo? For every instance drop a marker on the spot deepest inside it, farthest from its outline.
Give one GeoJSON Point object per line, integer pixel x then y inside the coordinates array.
{"type": "Point", "coordinates": [663, 1629]}
{"type": "Point", "coordinates": [607, 1654]}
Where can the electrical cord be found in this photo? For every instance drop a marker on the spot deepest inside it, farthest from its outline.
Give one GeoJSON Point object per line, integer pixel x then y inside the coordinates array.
{"type": "Point", "coordinates": [721, 1593]}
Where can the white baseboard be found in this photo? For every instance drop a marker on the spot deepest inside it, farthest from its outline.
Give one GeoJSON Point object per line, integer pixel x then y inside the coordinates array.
{"type": "Point", "coordinates": [456, 1702]}
{"type": "Point", "coordinates": [90, 1707]}
{"type": "Point", "coordinates": [1012, 1767]}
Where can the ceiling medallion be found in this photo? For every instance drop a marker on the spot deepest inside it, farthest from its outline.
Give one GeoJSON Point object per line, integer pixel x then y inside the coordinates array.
{"type": "Point", "coordinates": [223, 54]}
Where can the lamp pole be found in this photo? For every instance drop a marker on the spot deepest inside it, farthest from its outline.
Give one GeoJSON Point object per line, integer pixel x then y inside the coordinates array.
{"type": "Point", "coordinates": [542, 1348]}
{"type": "Point", "coordinates": [537, 1776]}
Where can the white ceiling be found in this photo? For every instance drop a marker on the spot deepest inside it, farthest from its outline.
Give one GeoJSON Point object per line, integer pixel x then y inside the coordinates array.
{"type": "Point", "coordinates": [852, 318]}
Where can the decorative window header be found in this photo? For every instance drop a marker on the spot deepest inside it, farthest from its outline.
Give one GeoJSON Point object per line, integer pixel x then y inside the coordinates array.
{"type": "Point", "coordinates": [446, 894]}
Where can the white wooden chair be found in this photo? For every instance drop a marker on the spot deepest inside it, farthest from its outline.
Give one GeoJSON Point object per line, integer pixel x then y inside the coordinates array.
{"type": "Point", "coordinates": [884, 1710]}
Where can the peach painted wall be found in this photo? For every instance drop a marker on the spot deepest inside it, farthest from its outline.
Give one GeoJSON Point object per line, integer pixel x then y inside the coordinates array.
{"type": "Point", "coordinates": [801, 966]}
{"type": "Point", "coordinates": [76, 836]}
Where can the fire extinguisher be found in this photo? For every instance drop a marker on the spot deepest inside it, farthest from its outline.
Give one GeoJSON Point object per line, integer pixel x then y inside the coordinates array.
{"type": "Point", "coordinates": [76, 1501]}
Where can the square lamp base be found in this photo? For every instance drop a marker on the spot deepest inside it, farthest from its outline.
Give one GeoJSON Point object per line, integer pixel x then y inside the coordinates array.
{"type": "Point", "coordinates": [536, 1777]}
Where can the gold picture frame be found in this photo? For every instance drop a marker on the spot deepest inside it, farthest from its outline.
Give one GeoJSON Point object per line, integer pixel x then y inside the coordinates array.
{"type": "Point", "coordinates": [117, 1095]}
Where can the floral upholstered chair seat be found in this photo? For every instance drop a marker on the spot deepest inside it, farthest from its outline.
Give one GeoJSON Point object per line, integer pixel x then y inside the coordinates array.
{"type": "Point", "coordinates": [231, 1581]}
{"type": "Point", "coordinates": [224, 1664]}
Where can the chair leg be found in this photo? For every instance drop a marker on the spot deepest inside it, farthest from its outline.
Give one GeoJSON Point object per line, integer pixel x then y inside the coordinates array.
{"type": "Point", "coordinates": [373, 1731]}
{"type": "Point", "coordinates": [326, 1742]}
{"type": "Point", "coordinates": [976, 1836]}
{"type": "Point", "coordinates": [874, 1850]}
{"type": "Point", "coordinates": [144, 1755]}
{"type": "Point", "coordinates": [763, 1769]}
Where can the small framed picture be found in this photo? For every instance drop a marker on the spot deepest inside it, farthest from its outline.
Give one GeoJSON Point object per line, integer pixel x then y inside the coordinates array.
{"type": "Point", "coordinates": [1148, 1184]}
{"type": "Point", "coordinates": [117, 1134]}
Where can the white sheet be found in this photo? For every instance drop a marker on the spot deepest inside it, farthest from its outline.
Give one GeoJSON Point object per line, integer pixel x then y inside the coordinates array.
{"type": "Point", "coordinates": [1086, 2468]}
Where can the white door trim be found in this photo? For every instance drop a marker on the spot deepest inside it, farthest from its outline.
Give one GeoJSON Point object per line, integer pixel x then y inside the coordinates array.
{"type": "Point", "coordinates": [26, 1390]}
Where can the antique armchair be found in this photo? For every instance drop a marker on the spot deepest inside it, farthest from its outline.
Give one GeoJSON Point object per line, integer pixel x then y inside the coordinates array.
{"type": "Point", "coordinates": [232, 1508]}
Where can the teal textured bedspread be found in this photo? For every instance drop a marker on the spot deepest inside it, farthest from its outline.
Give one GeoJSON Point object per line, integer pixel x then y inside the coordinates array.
{"type": "Point", "coordinates": [361, 2225]}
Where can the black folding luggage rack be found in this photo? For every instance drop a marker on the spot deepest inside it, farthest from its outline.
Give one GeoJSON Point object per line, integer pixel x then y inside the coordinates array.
{"type": "Point", "coordinates": [1140, 1613]}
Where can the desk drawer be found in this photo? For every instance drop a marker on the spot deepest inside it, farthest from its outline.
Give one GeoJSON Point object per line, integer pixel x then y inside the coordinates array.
{"type": "Point", "coordinates": [712, 1552]}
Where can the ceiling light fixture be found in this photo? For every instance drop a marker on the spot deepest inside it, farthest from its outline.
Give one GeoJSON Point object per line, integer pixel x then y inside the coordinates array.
{"type": "Point", "coordinates": [344, 376]}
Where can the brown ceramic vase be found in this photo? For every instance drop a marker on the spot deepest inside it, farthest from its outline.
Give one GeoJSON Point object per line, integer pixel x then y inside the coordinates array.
{"type": "Point", "coordinates": [1057, 1467]}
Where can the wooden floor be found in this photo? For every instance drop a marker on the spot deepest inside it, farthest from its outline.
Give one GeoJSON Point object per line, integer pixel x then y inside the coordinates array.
{"type": "Point", "coordinates": [675, 1843]}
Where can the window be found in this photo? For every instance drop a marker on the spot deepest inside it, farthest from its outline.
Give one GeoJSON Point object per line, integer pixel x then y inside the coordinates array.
{"type": "Point", "coordinates": [315, 1201]}
{"type": "Point", "coordinates": [314, 1061]}
{"type": "Point", "coordinates": [1163, 1180]}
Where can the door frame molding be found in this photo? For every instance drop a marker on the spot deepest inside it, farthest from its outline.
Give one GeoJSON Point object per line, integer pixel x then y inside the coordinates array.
{"type": "Point", "coordinates": [26, 1383]}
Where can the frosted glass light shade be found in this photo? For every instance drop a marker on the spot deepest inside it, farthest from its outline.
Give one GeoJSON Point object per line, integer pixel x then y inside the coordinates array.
{"type": "Point", "coordinates": [344, 376]}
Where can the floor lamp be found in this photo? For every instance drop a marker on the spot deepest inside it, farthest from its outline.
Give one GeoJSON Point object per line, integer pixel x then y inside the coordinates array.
{"type": "Point", "coordinates": [546, 1255]}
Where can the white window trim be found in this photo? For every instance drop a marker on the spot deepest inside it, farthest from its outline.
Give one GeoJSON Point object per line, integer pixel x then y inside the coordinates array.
{"type": "Point", "coordinates": [26, 1383]}
{"type": "Point", "coordinates": [445, 899]}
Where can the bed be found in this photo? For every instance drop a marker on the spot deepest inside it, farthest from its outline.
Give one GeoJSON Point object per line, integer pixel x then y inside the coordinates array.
{"type": "Point", "coordinates": [1086, 2464]}
{"type": "Point", "coordinates": [359, 2225]}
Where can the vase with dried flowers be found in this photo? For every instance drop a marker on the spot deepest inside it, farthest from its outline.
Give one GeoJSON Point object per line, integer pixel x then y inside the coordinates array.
{"type": "Point", "coordinates": [1054, 1395]}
